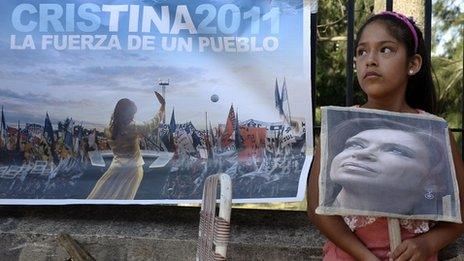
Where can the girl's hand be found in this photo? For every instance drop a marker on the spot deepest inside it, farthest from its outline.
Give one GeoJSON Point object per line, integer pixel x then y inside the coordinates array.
{"type": "Point", "coordinates": [412, 249]}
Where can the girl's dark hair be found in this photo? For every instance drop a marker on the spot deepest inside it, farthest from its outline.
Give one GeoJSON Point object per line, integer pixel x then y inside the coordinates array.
{"type": "Point", "coordinates": [122, 116]}
{"type": "Point", "coordinates": [420, 91]}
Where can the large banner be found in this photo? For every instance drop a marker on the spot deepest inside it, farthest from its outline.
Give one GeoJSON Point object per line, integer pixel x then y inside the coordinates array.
{"type": "Point", "coordinates": [138, 101]}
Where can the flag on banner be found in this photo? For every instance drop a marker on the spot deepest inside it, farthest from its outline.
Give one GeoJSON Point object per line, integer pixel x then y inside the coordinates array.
{"type": "Point", "coordinates": [18, 138]}
{"type": "Point", "coordinates": [25, 134]}
{"type": "Point", "coordinates": [238, 138]}
{"type": "Point", "coordinates": [3, 130]}
{"type": "Point", "coordinates": [184, 142]}
{"type": "Point", "coordinates": [254, 142]}
{"type": "Point", "coordinates": [49, 137]}
{"type": "Point", "coordinates": [276, 127]}
{"type": "Point", "coordinates": [34, 130]}
{"type": "Point", "coordinates": [195, 139]}
{"type": "Point", "coordinates": [225, 139]}
{"type": "Point", "coordinates": [92, 138]}
{"type": "Point", "coordinates": [166, 136]}
{"type": "Point", "coordinates": [163, 130]}
{"type": "Point", "coordinates": [277, 96]}
{"type": "Point", "coordinates": [280, 98]}
{"type": "Point", "coordinates": [77, 141]}
{"type": "Point", "coordinates": [203, 134]}
{"type": "Point", "coordinates": [284, 98]}
{"type": "Point", "coordinates": [68, 133]}
{"type": "Point", "coordinates": [172, 123]}
{"type": "Point", "coordinates": [213, 135]}
{"type": "Point", "coordinates": [188, 127]}
{"type": "Point", "coordinates": [284, 95]}
{"type": "Point", "coordinates": [48, 130]}
{"type": "Point", "coordinates": [208, 141]}
{"type": "Point", "coordinates": [287, 137]}
{"type": "Point", "coordinates": [11, 132]}
{"type": "Point", "coordinates": [3, 120]}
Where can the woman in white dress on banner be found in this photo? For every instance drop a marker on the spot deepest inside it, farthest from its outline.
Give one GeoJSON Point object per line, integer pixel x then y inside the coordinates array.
{"type": "Point", "coordinates": [123, 177]}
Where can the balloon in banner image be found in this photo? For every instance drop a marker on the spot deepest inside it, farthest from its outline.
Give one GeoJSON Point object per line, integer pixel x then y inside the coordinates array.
{"type": "Point", "coordinates": [386, 164]}
{"type": "Point", "coordinates": [214, 98]}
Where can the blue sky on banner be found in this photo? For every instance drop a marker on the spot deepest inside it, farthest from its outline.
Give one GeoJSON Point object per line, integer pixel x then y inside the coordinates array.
{"type": "Point", "coordinates": [86, 84]}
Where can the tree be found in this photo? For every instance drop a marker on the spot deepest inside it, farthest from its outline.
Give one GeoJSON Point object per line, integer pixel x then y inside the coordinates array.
{"type": "Point", "coordinates": [447, 55]}
{"type": "Point", "coordinates": [331, 50]}
{"type": "Point", "coordinates": [447, 60]}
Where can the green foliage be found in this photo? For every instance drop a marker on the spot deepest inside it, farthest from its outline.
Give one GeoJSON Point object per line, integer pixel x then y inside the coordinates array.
{"type": "Point", "coordinates": [447, 55]}
{"type": "Point", "coordinates": [330, 64]}
{"type": "Point", "coordinates": [448, 20]}
{"type": "Point", "coordinates": [447, 60]}
{"type": "Point", "coordinates": [448, 82]}
{"type": "Point", "coordinates": [332, 50]}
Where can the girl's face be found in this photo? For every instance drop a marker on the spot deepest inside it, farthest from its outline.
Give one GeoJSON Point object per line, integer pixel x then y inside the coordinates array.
{"type": "Point", "coordinates": [381, 63]}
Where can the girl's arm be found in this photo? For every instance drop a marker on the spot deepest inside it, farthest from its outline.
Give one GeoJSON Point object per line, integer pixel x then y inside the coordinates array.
{"type": "Point", "coordinates": [444, 233]}
{"type": "Point", "coordinates": [333, 227]}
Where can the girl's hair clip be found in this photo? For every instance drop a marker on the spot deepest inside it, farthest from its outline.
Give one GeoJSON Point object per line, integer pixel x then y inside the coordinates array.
{"type": "Point", "coordinates": [408, 22]}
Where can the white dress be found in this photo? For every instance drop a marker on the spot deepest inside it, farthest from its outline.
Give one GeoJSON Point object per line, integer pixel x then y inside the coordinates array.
{"type": "Point", "coordinates": [123, 177]}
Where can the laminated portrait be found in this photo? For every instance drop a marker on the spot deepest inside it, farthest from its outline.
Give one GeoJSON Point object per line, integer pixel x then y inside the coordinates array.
{"type": "Point", "coordinates": [380, 163]}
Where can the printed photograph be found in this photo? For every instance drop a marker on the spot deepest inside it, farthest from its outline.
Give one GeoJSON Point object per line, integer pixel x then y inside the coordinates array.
{"type": "Point", "coordinates": [381, 163]}
{"type": "Point", "coordinates": [143, 100]}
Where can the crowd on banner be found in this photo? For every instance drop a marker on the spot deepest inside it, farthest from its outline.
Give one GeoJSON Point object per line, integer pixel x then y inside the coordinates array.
{"type": "Point", "coordinates": [263, 159]}
{"type": "Point", "coordinates": [48, 161]}
{"type": "Point", "coordinates": [33, 142]}
{"type": "Point", "coordinates": [42, 161]}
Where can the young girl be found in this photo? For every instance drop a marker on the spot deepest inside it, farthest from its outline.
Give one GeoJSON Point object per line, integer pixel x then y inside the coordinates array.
{"type": "Point", "coordinates": [394, 71]}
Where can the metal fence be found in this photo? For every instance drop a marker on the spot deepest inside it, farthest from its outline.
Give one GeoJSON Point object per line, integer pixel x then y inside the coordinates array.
{"type": "Point", "coordinates": [350, 7]}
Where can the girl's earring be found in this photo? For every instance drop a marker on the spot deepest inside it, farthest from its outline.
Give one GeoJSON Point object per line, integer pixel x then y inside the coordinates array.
{"type": "Point", "coordinates": [411, 72]}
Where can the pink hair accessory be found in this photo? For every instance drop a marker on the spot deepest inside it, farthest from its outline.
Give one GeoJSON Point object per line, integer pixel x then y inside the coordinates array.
{"type": "Point", "coordinates": [408, 23]}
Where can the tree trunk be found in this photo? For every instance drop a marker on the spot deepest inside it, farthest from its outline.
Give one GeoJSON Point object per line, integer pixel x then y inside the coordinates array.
{"type": "Point", "coordinates": [414, 8]}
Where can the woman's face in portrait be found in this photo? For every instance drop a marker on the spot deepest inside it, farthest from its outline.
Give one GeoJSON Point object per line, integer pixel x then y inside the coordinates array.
{"type": "Point", "coordinates": [381, 162]}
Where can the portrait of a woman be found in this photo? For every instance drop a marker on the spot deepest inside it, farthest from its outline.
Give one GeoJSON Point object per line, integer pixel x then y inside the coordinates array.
{"type": "Point", "coordinates": [377, 165]}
